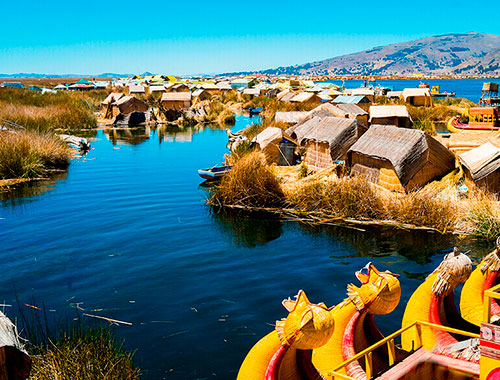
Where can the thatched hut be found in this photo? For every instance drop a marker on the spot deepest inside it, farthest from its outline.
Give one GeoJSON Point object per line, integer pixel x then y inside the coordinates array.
{"type": "Point", "coordinates": [128, 104]}
{"type": "Point", "coordinates": [224, 86]}
{"type": "Point", "coordinates": [290, 117]}
{"type": "Point", "coordinates": [178, 87]}
{"type": "Point", "coordinates": [325, 140]}
{"type": "Point", "coordinates": [482, 165]}
{"type": "Point", "coordinates": [309, 98]}
{"type": "Point", "coordinates": [107, 104]}
{"type": "Point", "coordinates": [269, 141]}
{"type": "Point", "coordinates": [363, 91]}
{"type": "Point", "coordinates": [397, 116]}
{"type": "Point", "coordinates": [176, 100]}
{"type": "Point", "coordinates": [201, 95]}
{"type": "Point", "coordinates": [156, 89]}
{"type": "Point", "coordinates": [360, 100]}
{"type": "Point", "coordinates": [417, 97]}
{"type": "Point", "coordinates": [350, 111]}
{"type": "Point", "coordinates": [399, 159]}
{"type": "Point", "coordinates": [251, 92]}
{"type": "Point", "coordinates": [136, 89]}
{"type": "Point", "coordinates": [285, 95]}
{"type": "Point", "coordinates": [211, 88]}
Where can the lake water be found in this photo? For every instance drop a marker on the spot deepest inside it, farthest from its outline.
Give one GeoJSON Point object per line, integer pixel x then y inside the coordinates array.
{"type": "Point", "coordinates": [464, 88]}
{"type": "Point", "coordinates": [126, 234]}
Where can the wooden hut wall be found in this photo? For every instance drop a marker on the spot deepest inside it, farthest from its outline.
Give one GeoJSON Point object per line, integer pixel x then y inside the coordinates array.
{"type": "Point", "coordinates": [132, 105]}
{"type": "Point", "coordinates": [380, 172]}
{"type": "Point", "coordinates": [362, 120]}
{"type": "Point", "coordinates": [490, 183]}
{"type": "Point", "coordinates": [318, 154]}
{"type": "Point", "coordinates": [419, 101]}
{"type": "Point", "coordinates": [400, 122]}
{"type": "Point", "coordinates": [425, 175]}
{"type": "Point", "coordinates": [176, 104]}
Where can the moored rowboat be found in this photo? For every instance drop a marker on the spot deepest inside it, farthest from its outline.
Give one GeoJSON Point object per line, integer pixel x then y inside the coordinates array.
{"type": "Point", "coordinates": [217, 172]}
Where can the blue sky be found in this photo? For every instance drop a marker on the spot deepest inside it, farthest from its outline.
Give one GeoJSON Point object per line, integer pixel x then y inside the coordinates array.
{"type": "Point", "coordinates": [179, 38]}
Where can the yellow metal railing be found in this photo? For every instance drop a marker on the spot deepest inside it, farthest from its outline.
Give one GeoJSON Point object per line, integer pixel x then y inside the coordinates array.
{"type": "Point", "coordinates": [389, 341]}
{"type": "Point", "coordinates": [488, 295]}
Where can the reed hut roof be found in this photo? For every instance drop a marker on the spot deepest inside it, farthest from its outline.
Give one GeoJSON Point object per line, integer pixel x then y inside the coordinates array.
{"type": "Point", "coordinates": [176, 97]}
{"type": "Point", "coordinates": [224, 86]}
{"type": "Point", "coordinates": [388, 111]}
{"type": "Point", "coordinates": [179, 86]}
{"type": "Point", "coordinates": [412, 92]}
{"type": "Point", "coordinates": [338, 112]}
{"type": "Point", "coordinates": [363, 91]}
{"type": "Point", "coordinates": [351, 109]}
{"type": "Point", "coordinates": [251, 91]}
{"type": "Point", "coordinates": [394, 94]}
{"type": "Point", "coordinates": [303, 97]}
{"type": "Point", "coordinates": [136, 89]}
{"type": "Point", "coordinates": [200, 91]}
{"type": "Point", "coordinates": [268, 136]}
{"type": "Point", "coordinates": [408, 150]}
{"type": "Point", "coordinates": [292, 117]}
{"type": "Point", "coordinates": [481, 161]}
{"type": "Point", "coordinates": [348, 99]}
{"type": "Point", "coordinates": [285, 95]}
{"type": "Point", "coordinates": [125, 100]}
{"type": "Point", "coordinates": [157, 88]}
{"type": "Point", "coordinates": [209, 86]}
{"type": "Point", "coordinates": [339, 133]}
{"type": "Point", "coordinates": [113, 97]}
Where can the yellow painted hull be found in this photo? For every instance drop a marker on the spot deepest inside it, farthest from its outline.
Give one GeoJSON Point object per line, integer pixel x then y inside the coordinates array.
{"type": "Point", "coordinates": [418, 309]}
{"type": "Point", "coordinates": [471, 298]}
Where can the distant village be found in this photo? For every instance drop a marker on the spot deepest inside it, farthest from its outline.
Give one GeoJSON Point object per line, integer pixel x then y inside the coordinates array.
{"type": "Point", "coordinates": [369, 129]}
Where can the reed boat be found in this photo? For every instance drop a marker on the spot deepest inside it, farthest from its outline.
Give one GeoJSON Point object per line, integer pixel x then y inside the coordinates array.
{"type": "Point", "coordinates": [214, 173]}
{"type": "Point", "coordinates": [436, 93]}
{"type": "Point", "coordinates": [436, 342]}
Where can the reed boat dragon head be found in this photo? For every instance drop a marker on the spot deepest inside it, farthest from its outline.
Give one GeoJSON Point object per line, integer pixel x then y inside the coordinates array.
{"type": "Point", "coordinates": [492, 259]}
{"type": "Point", "coordinates": [455, 269]}
{"type": "Point", "coordinates": [307, 325]}
{"type": "Point", "coordinates": [379, 292]}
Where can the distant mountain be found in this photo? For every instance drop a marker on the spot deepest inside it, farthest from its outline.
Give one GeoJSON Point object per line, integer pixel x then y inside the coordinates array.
{"type": "Point", "coordinates": [33, 75]}
{"type": "Point", "coordinates": [465, 54]}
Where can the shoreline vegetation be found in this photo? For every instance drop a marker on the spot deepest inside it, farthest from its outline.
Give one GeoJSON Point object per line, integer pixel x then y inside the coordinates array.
{"type": "Point", "coordinates": [326, 198]}
{"type": "Point", "coordinates": [34, 152]}
{"type": "Point", "coordinates": [74, 349]}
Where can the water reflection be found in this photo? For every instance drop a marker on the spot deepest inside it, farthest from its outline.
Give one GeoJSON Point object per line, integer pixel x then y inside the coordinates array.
{"type": "Point", "coordinates": [251, 230]}
{"type": "Point", "coordinates": [14, 197]}
{"type": "Point", "coordinates": [247, 230]}
{"type": "Point", "coordinates": [128, 136]}
{"type": "Point", "coordinates": [174, 133]}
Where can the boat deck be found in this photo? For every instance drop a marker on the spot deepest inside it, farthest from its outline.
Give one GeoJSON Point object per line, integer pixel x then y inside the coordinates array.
{"type": "Point", "coordinates": [406, 368]}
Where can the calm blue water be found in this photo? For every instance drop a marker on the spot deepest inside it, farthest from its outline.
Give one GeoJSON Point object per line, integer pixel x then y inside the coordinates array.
{"type": "Point", "coordinates": [464, 88]}
{"type": "Point", "coordinates": [126, 234]}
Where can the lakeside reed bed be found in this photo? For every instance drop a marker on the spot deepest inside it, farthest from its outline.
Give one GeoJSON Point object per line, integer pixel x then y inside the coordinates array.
{"type": "Point", "coordinates": [81, 354]}
{"type": "Point", "coordinates": [69, 348]}
{"type": "Point", "coordinates": [64, 110]}
{"type": "Point", "coordinates": [251, 183]}
{"type": "Point", "coordinates": [437, 206]}
{"type": "Point", "coordinates": [31, 154]}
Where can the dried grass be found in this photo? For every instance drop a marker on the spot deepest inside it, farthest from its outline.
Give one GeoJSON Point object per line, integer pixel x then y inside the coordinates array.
{"type": "Point", "coordinates": [350, 198]}
{"type": "Point", "coordinates": [67, 110]}
{"type": "Point", "coordinates": [83, 354]}
{"type": "Point", "coordinates": [251, 183]}
{"type": "Point", "coordinates": [30, 154]}
{"type": "Point", "coordinates": [481, 215]}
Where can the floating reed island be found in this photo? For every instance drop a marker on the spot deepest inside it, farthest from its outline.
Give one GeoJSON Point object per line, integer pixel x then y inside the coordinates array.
{"type": "Point", "coordinates": [367, 160]}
